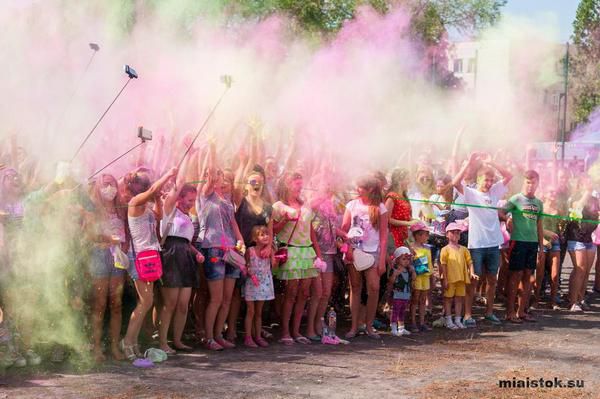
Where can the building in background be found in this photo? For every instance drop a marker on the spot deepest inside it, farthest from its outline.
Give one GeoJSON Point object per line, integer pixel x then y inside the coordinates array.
{"type": "Point", "coordinates": [493, 65]}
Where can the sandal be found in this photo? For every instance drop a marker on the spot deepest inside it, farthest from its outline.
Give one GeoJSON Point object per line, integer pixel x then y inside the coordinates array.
{"type": "Point", "coordinates": [315, 338]}
{"type": "Point", "coordinates": [184, 348]}
{"type": "Point", "coordinates": [212, 345]}
{"type": "Point", "coordinates": [137, 351]}
{"type": "Point", "coordinates": [265, 334]}
{"type": "Point", "coordinates": [169, 351]}
{"type": "Point", "coordinates": [528, 318]}
{"type": "Point", "coordinates": [373, 335]}
{"type": "Point", "coordinates": [127, 350]}
{"type": "Point", "coordinates": [514, 320]}
{"type": "Point", "coordinates": [288, 341]}
{"type": "Point", "coordinates": [302, 340]}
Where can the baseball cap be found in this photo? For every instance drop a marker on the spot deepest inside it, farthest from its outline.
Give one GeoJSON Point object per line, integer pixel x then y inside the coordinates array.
{"type": "Point", "coordinates": [419, 226]}
{"type": "Point", "coordinates": [455, 226]}
{"type": "Point", "coordinates": [398, 252]}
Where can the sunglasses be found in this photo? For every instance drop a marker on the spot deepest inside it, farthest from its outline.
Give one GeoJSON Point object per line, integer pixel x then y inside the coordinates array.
{"type": "Point", "coordinates": [254, 182]}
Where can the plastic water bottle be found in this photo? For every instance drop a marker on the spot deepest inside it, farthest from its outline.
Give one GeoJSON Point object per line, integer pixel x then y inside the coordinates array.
{"type": "Point", "coordinates": [324, 327]}
{"type": "Point", "coordinates": [331, 322]}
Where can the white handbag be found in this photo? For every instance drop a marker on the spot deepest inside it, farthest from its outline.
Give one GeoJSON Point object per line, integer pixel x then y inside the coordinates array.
{"type": "Point", "coordinates": [362, 260]}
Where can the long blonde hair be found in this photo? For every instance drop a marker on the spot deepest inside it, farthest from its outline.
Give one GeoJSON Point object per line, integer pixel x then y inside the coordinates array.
{"type": "Point", "coordinates": [373, 187]}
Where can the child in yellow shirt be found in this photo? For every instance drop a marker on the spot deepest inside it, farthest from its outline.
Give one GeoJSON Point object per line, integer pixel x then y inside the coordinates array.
{"type": "Point", "coordinates": [423, 267]}
{"type": "Point", "coordinates": [457, 271]}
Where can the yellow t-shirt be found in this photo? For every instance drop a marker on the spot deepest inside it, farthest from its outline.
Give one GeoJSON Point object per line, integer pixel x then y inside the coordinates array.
{"type": "Point", "coordinates": [457, 261]}
{"type": "Point", "coordinates": [424, 252]}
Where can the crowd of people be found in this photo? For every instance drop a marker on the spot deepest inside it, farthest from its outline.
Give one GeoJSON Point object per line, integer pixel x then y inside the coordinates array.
{"type": "Point", "coordinates": [226, 245]}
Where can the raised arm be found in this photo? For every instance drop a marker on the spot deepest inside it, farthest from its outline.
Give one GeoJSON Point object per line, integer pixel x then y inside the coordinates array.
{"type": "Point", "coordinates": [457, 181]}
{"type": "Point", "coordinates": [146, 196]}
{"type": "Point", "coordinates": [171, 199]}
{"type": "Point", "coordinates": [211, 170]}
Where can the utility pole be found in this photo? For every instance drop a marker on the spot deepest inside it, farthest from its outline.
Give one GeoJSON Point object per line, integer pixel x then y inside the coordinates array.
{"type": "Point", "coordinates": [564, 122]}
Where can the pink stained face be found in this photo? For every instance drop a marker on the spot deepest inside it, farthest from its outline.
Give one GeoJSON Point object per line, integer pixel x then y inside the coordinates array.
{"type": "Point", "coordinates": [296, 186]}
{"type": "Point", "coordinates": [11, 181]}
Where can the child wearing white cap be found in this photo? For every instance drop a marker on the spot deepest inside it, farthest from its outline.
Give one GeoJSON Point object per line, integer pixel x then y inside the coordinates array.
{"type": "Point", "coordinates": [401, 280]}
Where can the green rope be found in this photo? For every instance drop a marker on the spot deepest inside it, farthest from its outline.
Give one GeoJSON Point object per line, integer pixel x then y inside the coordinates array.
{"type": "Point", "coordinates": [546, 215]}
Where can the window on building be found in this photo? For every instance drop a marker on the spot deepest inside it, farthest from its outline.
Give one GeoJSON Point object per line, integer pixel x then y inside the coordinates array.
{"type": "Point", "coordinates": [458, 66]}
{"type": "Point", "coordinates": [472, 65]}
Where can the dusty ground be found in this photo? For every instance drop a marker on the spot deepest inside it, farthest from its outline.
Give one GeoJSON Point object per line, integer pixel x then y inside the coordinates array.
{"type": "Point", "coordinates": [441, 364]}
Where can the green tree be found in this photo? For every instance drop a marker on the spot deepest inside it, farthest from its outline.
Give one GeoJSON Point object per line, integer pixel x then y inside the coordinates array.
{"type": "Point", "coordinates": [585, 65]}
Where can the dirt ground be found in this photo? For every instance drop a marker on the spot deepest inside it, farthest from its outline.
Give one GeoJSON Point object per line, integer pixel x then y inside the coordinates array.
{"type": "Point", "coordinates": [439, 364]}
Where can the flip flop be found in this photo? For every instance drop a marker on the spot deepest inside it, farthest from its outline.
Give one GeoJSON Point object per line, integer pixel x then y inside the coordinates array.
{"type": "Point", "coordinates": [185, 348]}
{"type": "Point", "coordinates": [302, 340]}
{"type": "Point", "coordinates": [528, 318]}
{"type": "Point", "coordinates": [287, 341]}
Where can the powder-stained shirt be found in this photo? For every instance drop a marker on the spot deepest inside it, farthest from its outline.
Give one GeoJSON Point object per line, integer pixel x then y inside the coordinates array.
{"type": "Point", "coordinates": [301, 236]}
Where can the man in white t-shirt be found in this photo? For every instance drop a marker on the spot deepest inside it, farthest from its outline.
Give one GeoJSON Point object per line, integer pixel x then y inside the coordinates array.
{"type": "Point", "coordinates": [485, 236]}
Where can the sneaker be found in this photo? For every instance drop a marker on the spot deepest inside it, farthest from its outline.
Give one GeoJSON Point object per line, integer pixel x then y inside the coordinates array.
{"type": "Point", "coordinates": [469, 323]}
{"type": "Point", "coordinates": [224, 343]}
{"type": "Point", "coordinates": [450, 325]}
{"type": "Point", "coordinates": [439, 323]}
{"type": "Point", "coordinates": [394, 328]}
{"type": "Point", "coordinates": [493, 319]}
{"type": "Point", "coordinates": [584, 305]}
{"type": "Point", "coordinates": [555, 307]}
{"type": "Point", "coordinates": [576, 308]}
{"type": "Point", "coordinates": [458, 324]}
{"type": "Point", "coordinates": [396, 332]}
{"type": "Point", "coordinates": [212, 345]}
{"type": "Point", "coordinates": [33, 359]}
{"type": "Point", "coordinates": [249, 342]}
{"type": "Point", "coordinates": [403, 331]}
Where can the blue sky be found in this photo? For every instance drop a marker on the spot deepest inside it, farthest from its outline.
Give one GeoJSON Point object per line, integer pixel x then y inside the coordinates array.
{"type": "Point", "coordinates": [563, 11]}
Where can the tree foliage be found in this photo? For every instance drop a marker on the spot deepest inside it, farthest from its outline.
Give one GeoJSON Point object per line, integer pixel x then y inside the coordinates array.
{"type": "Point", "coordinates": [585, 65]}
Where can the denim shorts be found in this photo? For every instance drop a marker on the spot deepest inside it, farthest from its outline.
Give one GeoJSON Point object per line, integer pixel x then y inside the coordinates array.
{"type": "Point", "coordinates": [214, 266]}
{"type": "Point", "coordinates": [555, 247]}
{"type": "Point", "coordinates": [580, 246]}
{"type": "Point", "coordinates": [131, 270]}
{"type": "Point", "coordinates": [485, 260]}
{"type": "Point", "coordinates": [102, 264]}
{"type": "Point", "coordinates": [329, 260]}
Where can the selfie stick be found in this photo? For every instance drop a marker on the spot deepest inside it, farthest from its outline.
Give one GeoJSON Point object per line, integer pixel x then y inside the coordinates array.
{"type": "Point", "coordinates": [95, 47]}
{"type": "Point", "coordinates": [132, 74]}
{"type": "Point", "coordinates": [144, 139]}
{"type": "Point", "coordinates": [226, 80]}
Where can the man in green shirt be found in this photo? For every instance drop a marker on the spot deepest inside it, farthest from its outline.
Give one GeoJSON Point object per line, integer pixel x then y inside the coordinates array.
{"type": "Point", "coordinates": [526, 239]}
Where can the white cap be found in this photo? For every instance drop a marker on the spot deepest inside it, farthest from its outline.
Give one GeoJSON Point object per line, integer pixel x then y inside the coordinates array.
{"type": "Point", "coordinates": [401, 251]}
